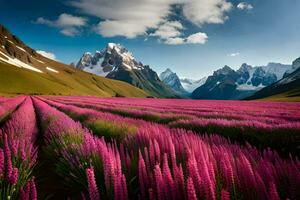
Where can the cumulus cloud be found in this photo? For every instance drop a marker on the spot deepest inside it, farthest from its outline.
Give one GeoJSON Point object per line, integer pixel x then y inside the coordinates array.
{"type": "Point", "coordinates": [234, 54]}
{"type": "Point", "coordinates": [69, 25]}
{"type": "Point", "coordinates": [206, 11]}
{"type": "Point", "coordinates": [196, 38]}
{"type": "Point", "coordinates": [244, 6]}
{"type": "Point", "coordinates": [132, 18]}
{"type": "Point", "coordinates": [47, 54]}
{"type": "Point", "coordinates": [168, 29]}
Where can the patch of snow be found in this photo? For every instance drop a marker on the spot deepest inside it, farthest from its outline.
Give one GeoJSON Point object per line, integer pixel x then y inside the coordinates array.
{"type": "Point", "coordinates": [18, 63]}
{"type": "Point", "coordinates": [96, 69]}
{"type": "Point", "coordinates": [277, 69]}
{"type": "Point", "coordinates": [5, 37]}
{"type": "Point", "coordinates": [52, 70]}
{"type": "Point", "coordinates": [3, 47]}
{"type": "Point", "coordinates": [246, 87]}
{"type": "Point", "coordinates": [10, 41]}
{"type": "Point", "coordinates": [21, 48]}
{"type": "Point", "coordinates": [40, 61]}
{"type": "Point", "coordinates": [127, 66]}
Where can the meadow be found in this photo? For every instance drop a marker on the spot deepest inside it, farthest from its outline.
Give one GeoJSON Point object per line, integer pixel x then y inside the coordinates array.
{"type": "Point", "coordinates": [75, 147]}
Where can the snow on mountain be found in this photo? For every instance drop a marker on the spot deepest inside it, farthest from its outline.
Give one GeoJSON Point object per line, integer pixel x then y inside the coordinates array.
{"type": "Point", "coordinates": [227, 83]}
{"type": "Point", "coordinates": [256, 78]}
{"type": "Point", "coordinates": [190, 85]}
{"type": "Point", "coordinates": [171, 79]}
{"type": "Point", "coordinates": [18, 63]}
{"type": "Point", "coordinates": [293, 74]}
{"type": "Point", "coordinates": [116, 62]}
{"type": "Point", "coordinates": [165, 74]}
{"type": "Point", "coordinates": [295, 66]}
{"type": "Point", "coordinates": [113, 57]}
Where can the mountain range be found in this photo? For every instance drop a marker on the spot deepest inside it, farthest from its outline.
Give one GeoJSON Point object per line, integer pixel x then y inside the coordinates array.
{"type": "Point", "coordinates": [24, 71]}
{"type": "Point", "coordinates": [227, 83]}
{"type": "Point", "coordinates": [114, 71]}
{"type": "Point", "coordinates": [287, 88]}
{"type": "Point", "coordinates": [116, 62]}
{"type": "Point", "coordinates": [182, 86]}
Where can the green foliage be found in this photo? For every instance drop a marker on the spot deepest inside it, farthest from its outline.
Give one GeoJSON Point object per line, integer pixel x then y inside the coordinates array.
{"type": "Point", "coordinates": [111, 130]}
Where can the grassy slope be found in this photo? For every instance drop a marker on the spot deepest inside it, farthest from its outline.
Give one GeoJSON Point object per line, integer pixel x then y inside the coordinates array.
{"type": "Point", "coordinates": [68, 81]}
{"type": "Point", "coordinates": [292, 96]}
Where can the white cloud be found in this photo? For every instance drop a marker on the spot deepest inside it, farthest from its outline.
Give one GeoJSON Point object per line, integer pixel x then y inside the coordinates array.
{"type": "Point", "coordinates": [244, 6]}
{"type": "Point", "coordinates": [132, 18]}
{"type": "Point", "coordinates": [68, 24]}
{"type": "Point", "coordinates": [168, 29]}
{"type": "Point", "coordinates": [234, 54]}
{"type": "Point", "coordinates": [46, 54]}
{"type": "Point", "coordinates": [206, 11]}
{"type": "Point", "coordinates": [197, 38]}
{"type": "Point", "coordinates": [174, 41]}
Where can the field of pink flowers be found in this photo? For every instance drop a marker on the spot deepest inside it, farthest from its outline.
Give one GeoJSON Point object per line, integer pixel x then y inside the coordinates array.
{"type": "Point", "coordinates": [157, 149]}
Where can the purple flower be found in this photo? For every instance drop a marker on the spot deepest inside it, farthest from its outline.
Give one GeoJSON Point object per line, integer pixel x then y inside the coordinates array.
{"type": "Point", "coordinates": [93, 190]}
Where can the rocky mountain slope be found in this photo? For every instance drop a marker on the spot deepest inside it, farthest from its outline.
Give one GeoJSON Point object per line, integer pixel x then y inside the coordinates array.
{"type": "Point", "coordinates": [116, 62]}
{"type": "Point", "coordinates": [24, 71]}
{"type": "Point", "coordinates": [227, 83]}
{"type": "Point", "coordinates": [287, 88]}
{"type": "Point", "coordinates": [171, 79]}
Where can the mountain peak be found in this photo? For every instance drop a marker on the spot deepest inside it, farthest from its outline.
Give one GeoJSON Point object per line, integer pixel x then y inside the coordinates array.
{"type": "Point", "coordinates": [116, 62]}
{"type": "Point", "coordinates": [224, 70]}
{"type": "Point", "coordinates": [171, 79]}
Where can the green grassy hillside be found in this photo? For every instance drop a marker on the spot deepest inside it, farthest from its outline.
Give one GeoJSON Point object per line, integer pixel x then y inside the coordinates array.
{"type": "Point", "coordinates": [56, 78]}
{"type": "Point", "coordinates": [68, 81]}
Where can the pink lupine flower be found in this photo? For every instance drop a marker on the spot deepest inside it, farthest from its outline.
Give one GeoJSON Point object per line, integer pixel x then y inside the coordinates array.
{"type": "Point", "coordinates": [1, 162]}
{"type": "Point", "coordinates": [24, 193]}
{"type": "Point", "coordinates": [124, 187]}
{"type": "Point", "coordinates": [33, 192]}
{"type": "Point", "coordinates": [225, 195]}
{"type": "Point", "coordinates": [118, 189]}
{"type": "Point", "coordinates": [191, 193]}
{"type": "Point", "coordinates": [159, 183]}
{"type": "Point", "coordinates": [273, 195]}
{"type": "Point", "coordinates": [179, 180]}
{"type": "Point", "coordinates": [14, 176]}
{"type": "Point", "coordinates": [93, 190]}
{"type": "Point", "coordinates": [143, 178]}
{"type": "Point", "coordinates": [167, 176]}
{"type": "Point", "coordinates": [7, 157]}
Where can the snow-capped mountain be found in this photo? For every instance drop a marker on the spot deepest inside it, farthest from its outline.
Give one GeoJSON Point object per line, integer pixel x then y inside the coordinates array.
{"type": "Point", "coordinates": [116, 62]}
{"type": "Point", "coordinates": [256, 78]}
{"type": "Point", "coordinates": [112, 58]}
{"type": "Point", "coordinates": [171, 79]}
{"type": "Point", "coordinates": [190, 84]}
{"type": "Point", "coordinates": [287, 87]}
{"type": "Point", "coordinates": [227, 83]}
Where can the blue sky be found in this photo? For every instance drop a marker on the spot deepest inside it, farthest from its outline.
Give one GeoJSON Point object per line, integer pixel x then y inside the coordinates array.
{"type": "Point", "coordinates": [192, 37]}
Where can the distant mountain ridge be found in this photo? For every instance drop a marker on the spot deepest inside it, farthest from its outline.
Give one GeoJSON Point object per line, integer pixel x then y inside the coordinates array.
{"type": "Point", "coordinates": [116, 62]}
{"type": "Point", "coordinates": [227, 83]}
{"type": "Point", "coordinates": [190, 84]}
{"type": "Point", "coordinates": [182, 86]}
{"type": "Point", "coordinates": [24, 71]}
{"type": "Point", "coordinates": [288, 87]}
{"type": "Point", "coordinates": [171, 79]}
